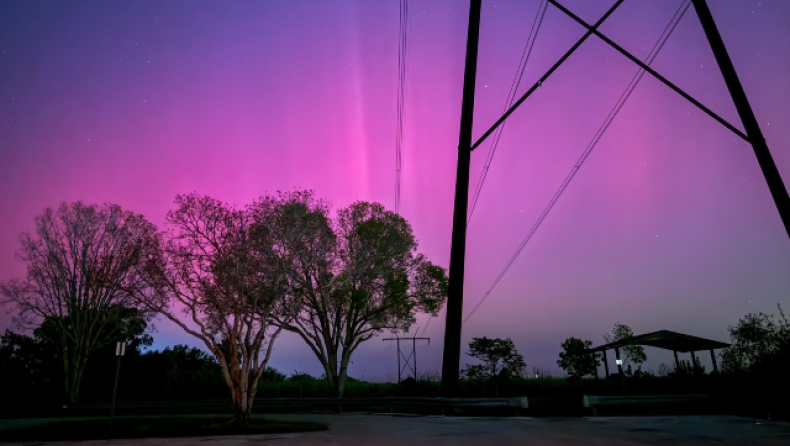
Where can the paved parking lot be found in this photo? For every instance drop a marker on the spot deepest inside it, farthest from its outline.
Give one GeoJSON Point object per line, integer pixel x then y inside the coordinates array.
{"type": "Point", "coordinates": [390, 430]}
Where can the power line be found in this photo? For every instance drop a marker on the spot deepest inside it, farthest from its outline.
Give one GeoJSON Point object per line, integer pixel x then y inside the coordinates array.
{"type": "Point", "coordinates": [511, 97]}
{"type": "Point", "coordinates": [401, 96]}
{"type": "Point", "coordinates": [596, 138]}
{"type": "Point", "coordinates": [424, 329]}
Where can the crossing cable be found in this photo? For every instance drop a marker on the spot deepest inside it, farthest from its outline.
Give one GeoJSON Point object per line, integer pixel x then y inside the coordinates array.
{"type": "Point", "coordinates": [511, 97]}
{"type": "Point", "coordinates": [401, 96]}
{"type": "Point", "coordinates": [596, 138]}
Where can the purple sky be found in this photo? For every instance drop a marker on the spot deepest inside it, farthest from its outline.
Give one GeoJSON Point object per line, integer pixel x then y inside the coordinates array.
{"type": "Point", "coordinates": [668, 225]}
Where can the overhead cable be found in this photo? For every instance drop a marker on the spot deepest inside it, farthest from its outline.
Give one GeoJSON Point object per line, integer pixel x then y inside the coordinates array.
{"type": "Point", "coordinates": [401, 97]}
{"type": "Point", "coordinates": [586, 153]}
{"type": "Point", "coordinates": [511, 97]}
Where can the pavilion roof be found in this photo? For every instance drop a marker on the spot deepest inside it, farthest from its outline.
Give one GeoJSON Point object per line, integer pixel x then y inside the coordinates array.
{"type": "Point", "coordinates": [666, 339]}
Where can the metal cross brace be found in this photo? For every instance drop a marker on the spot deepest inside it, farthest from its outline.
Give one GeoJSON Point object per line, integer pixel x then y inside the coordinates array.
{"type": "Point", "coordinates": [592, 29]}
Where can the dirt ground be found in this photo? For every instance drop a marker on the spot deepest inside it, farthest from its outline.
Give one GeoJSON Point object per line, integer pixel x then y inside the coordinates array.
{"type": "Point", "coordinates": [390, 430]}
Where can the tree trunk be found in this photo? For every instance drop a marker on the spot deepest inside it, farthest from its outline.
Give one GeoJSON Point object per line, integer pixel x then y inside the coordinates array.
{"type": "Point", "coordinates": [72, 378]}
{"type": "Point", "coordinates": [241, 405]}
{"type": "Point", "coordinates": [332, 377]}
{"type": "Point", "coordinates": [340, 380]}
{"type": "Point", "coordinates": [340, 385]}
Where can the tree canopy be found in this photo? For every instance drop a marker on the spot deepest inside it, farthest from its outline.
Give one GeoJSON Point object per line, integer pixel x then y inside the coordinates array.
{"type": "Point", "coordinates": [758, 341]}
{"type": "Point", "coordinates": [576, 360]}
{"type": "Point", "coordinates": [351, 278]}
{"type": "Point", "coordinates": [499, 359]}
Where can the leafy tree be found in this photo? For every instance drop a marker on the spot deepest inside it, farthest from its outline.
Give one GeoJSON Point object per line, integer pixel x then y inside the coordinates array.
{"type": "Point", "coordinates": [82, 262]}
{"type": "Point", "coordinates": [757, 340]}
{"type": "Point", "coordinates": [576, 360]}
{"type": "Point", "coordinates": [351, 278]}
{"type": "Point", "coordinates": [634, 354]}
{"type": "Point", "coordinates": [226, 276]}
{"type": "Point", "coordinates": [499, 360]}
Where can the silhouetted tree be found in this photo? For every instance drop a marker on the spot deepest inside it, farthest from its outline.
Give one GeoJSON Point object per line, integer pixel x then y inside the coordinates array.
{"type": "Point", "coordinates": [757, 339]}
{"type": "Point", "coordinates": [634, 354]}
{"type": "Point", "coordinates": [499, 359]}
{"type": "Point", "coordinates": [175, 372]}
{"type": "Point", "coordinates": [82, 263]}
{"type": "Point", "coordinates": [31, 367]}
{"type": "Point", "coordinates": [576, 360]}
{"type": "Point", "coordinates": [29, 370]}
{"type": "Point", "coordinates": [129, 327]}
{"type": "Point", "coordinates": [352, 279]}
{"type": "Point", "coordinates": [226, 276]}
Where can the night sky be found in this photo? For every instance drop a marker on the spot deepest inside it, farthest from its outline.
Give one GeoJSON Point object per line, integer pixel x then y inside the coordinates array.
{"type": "Point", "coordinates": [668, 225]}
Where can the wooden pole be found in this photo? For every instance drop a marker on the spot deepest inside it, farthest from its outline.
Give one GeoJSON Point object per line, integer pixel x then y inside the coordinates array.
{"type": "Point", "coordinates": [451, 356]}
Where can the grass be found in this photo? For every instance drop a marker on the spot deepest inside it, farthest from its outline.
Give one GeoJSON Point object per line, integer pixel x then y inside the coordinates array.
{"type": "Point", "coordinates": [98, 428]}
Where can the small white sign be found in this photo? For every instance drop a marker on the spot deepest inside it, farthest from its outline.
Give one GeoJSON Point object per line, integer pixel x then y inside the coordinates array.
{"type": "Point", "coordinates": [120, 348]}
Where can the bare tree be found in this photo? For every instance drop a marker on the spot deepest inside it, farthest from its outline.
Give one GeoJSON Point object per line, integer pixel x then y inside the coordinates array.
{"type": "Point", "coordinates": [225, 276]}
{"type": "Point", "coordinates": [353, 279]}
{"type": "Point", "coordinates": [82, 263]}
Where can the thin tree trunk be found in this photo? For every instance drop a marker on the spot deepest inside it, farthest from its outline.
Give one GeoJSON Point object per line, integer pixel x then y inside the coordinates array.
{"type": "Point", "coordinates": [241, 406]}
{"type": "Point", "coordinates": [341, 379]}
{"type": "Point", "coordinates": [331, 379]}
{"type": "Point", "coordinates": [73, 378]}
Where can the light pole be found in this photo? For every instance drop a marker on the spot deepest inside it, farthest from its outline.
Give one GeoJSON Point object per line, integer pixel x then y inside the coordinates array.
{"type": "Point", "coordinates": [120, 350]}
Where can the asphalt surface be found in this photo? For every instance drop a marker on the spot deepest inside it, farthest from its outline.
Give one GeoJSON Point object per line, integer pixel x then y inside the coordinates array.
{"type": "Point", "coordinates": [356, 429]}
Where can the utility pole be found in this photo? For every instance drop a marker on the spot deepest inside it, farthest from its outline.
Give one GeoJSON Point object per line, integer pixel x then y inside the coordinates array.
{"type": "Point", "coordinates": [764, 158]}
{"type": "Point", "coordinates": [451, 359]}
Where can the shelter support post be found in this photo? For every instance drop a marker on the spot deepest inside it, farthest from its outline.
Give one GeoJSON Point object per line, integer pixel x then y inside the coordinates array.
{"type": "Point", "coordinates": [677, 363]}
{"type": "Point", "coordinates": [713, 361]}
{"type": "Point", "coordinates": [451, 357]}
{"type": "Point", "coordinates": [595, 363]}
{"type": "Point", "coordinates": [619, 366]}
{"type": "Point", "coordinates": [605, 364]}
{"type": "Point", "coordinates": [764, 158]}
